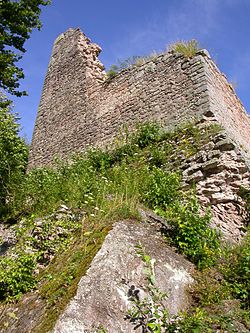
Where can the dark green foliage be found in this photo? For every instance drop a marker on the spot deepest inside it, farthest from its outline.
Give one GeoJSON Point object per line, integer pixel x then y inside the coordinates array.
{"type": "Point", "coordinates": [99, 159]}
{"type": "Point", "coordinates": [202, 321]}
{"type": "Point", "coordinates": [210, 288]}
{"type": "Point", "coordinates": [147, 134]}
{"type": "Point", "coordinates": [192, 234]}
{"type": "Point", "coordinates": [17, 20]}
{"type": "Point", "coordinates": [162, 189]}
{"type": "Point", "coordinates": [236, 271]}
{"type": "Point", "coordinates": [17, 268]}
{"type": "Point", "coordinates": [13, 156]}
{"type": "Point", "coordinates": [110, 185]}
{"type": "Point", "coordinates": [190, 231]}
{"type": "Point", "coordinates": [222, 287]}
{"type": "Point", "coordinates": [16, 275]}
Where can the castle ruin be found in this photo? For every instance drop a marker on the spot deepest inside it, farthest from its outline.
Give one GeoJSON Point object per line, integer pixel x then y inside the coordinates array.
{"type": "Point", "coordinates": [80, 107]}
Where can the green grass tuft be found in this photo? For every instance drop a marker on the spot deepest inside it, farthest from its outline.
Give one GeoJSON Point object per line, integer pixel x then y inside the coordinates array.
{"type": "Point", "coordinates": [187, 48]}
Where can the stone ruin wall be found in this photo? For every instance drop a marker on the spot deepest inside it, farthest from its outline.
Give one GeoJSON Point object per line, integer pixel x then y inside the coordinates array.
{"type": "Point", "coordinates": [61, 125]}
{"type": "Point", "coordinates": [227, 108]}
{"type": "Point", "coordinates": [80, 108]}
{"type": "Point", "coordinates": [162, 89]}
{"type": "Point", "coordinates": [218, 171]}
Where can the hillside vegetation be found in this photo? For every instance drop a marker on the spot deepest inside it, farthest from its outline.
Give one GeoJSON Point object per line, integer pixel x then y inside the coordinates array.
{"type": "Point", "coordinates": [61, 215]}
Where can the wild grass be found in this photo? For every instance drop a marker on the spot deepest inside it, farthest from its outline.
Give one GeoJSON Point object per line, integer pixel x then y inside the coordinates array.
{"type": "Point", "coordinates": [135, 61]}
{"type": "Point", "coordinates": [187, 48]}
{"type": "Point", "coordinates": [140, 169]}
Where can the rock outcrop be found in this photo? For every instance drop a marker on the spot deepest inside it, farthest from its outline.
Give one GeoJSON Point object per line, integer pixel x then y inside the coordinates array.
{"type": "Point", "coordinates": [103, 295]}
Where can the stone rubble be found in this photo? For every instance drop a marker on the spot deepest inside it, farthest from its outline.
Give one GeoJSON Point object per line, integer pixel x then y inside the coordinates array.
{"type": "Point", "coordinates": [218, 174]}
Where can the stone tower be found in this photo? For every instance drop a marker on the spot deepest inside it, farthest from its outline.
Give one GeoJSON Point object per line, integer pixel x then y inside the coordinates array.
{"type": "Point", "coordinates": [60, 124]}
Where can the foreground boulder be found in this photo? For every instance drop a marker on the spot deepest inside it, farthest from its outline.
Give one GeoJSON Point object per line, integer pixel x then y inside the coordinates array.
{"type": "Point", "coordinates": [103, 295]}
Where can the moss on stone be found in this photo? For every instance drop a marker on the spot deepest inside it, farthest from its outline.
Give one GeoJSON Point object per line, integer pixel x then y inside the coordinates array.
{"type": "Point", "coordinates": [60, 279]}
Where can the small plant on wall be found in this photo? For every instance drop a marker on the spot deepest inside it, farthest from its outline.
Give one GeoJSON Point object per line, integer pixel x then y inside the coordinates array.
{"type": "Point", "coordinates": [187, 48]}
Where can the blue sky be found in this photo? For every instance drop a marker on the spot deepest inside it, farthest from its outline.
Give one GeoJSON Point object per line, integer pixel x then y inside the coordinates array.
{"type": "Point", "coordinates": [139, 27]}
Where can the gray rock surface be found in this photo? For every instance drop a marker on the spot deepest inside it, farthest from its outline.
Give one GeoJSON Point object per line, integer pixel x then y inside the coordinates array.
{"type": "Point", "coordinates": [102, 296]}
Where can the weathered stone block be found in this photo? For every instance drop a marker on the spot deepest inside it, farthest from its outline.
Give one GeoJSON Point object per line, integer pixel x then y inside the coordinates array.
{"type": "Point", "coordinates": [102, 297]}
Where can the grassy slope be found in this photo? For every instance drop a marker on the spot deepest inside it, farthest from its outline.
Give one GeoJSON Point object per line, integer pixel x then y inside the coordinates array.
{"type": "Point", "coordinates": [101, 187]}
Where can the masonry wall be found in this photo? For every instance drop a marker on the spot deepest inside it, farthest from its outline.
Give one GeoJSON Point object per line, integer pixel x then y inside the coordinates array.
{"type": "Point", "coordinates": [60, 122]}
{"type": "Point", "coordinates": [227, 108]}
{"type": "Point", "coordinates": [80, 107]}
{"type": "Point", "coordinates": [168, 89]}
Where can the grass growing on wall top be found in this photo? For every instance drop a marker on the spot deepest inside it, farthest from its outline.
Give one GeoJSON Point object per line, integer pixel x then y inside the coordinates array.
{"type": "Point", "coordinates": [187, 48]}
{"type": "Point", "coordinates": [128, 63]}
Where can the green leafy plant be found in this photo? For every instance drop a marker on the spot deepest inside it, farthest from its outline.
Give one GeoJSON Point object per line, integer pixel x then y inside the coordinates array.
{"type": "Point", "coordinates": [161, 188]}
{"type": "Point", "coordinates": [146, 134]}
{"type": "Point", "coordinates": [110, 185]}
{"type": "Point", "coordinates": [13, 156]}
{"type": "Point", "coordinates": [148, 313]}
{"type": "Point", "coordinates": [113, 71]}
{"type": "Point", "coordinates": [192, 234]}
{"type": "Point", "coordinates": [235, 269]}
{"type": "Point", "coordinates": [209, 288]}
{"type": "Point", "coordinates": [129, 62]}
{"type": "Point", "coordinates": [16, 276]}
{"type": "Point", "coordinates": [188, 323]}
{"type": "Point", "coordinates": [122, 64]}
{"type": "Point", "coordinates": [222, 287]}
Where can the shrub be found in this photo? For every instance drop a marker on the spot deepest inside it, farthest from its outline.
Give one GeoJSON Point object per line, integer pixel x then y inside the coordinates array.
{"type": "Point", "coordinates": [129, 62]}
{"type": "Point", "coordinates": [161, 189]}
{"type": "Point", "coordinates": [99, 159]}
{"type": "Point", "coordinates": [236, 271]}
{"type": "Point", "coordinates": [146, 134]}
{"type": "Point", "coordinates": [191, 233]}
{"type": "Point", "coordinates": [16, 276]}
{"type": "Point", "coordinates": [13, 156]}
{"type": "Point", "coordinates": [113, 71]}
{"type": "Point", "coordinates": [210, 287]}
{"type": "Point", "coordinates": [245, 194]}
{"type": "Point", "coordinates": [122, 64]}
